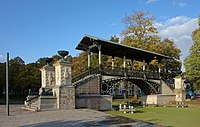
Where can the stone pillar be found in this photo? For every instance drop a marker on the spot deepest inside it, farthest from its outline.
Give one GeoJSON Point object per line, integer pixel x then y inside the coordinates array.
{"type": "Point", "coordinates": [64, 91]}
{"type": "Point", "coordinates": [48, 76]}
{"type": "Point", "coordinates": [179, 90]}
{"type": "Point", "coordinates": [63, 73]}
{"type": "Point", "coordinates": [135, 91]}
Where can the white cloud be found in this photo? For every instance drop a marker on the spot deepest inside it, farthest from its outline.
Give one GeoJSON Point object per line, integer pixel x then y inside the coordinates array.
{"type": "Point", "coordinates": [113, 24]}
{"type": "Point", "coordinates": [179, 29]}
{"type": "Point", "coordinates": [151, 1]}
{"type": "Point", "coordinates": [2, 58]}
{"type": "Point", "coordinates": [181, 4]}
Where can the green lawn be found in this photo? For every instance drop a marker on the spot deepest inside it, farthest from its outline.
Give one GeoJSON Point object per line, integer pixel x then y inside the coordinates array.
{"type": "Point", "coordinates": [169, 116]}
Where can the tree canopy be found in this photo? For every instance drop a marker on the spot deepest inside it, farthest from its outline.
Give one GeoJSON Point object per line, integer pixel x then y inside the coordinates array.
{"type": "Point", "coordinates": [192, 62]}
{"type": "Point", "coordinates": [141, 33]}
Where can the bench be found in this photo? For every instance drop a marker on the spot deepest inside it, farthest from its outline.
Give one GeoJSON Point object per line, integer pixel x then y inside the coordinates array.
{"type": "Point", "coordinates": [180, 104]}
{"type": "Point", "coordinates": [126, 109]}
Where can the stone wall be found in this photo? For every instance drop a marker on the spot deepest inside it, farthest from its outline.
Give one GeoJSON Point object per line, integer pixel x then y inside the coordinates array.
{"type": "Point", "coordinates": [47, 103]}
{"type": "Point", "coordinates": [166, 89]}
{"type": "Point", "coordinates": [159, 99]}
{"type": "Point", "coordinates": [89, 87]}
{"type": "Point", "coordinates": [96, 102]}
{"type": "Point", "coordinates": [65, 97]}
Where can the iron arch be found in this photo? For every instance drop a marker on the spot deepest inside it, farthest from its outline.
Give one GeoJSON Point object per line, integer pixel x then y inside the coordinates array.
{"type": "Point", "coordinates": [148, 87]}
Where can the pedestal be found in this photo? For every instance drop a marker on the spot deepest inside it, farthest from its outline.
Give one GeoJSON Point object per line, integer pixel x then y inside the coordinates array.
{"type": "Point", "coordinates": [179, 90]}
{"type": "Point", "coordinates": [62, 73]}
{"type": "Point", "coordinates": [65, 97]}
{"type": "Point", "coordinates": [180, 94]}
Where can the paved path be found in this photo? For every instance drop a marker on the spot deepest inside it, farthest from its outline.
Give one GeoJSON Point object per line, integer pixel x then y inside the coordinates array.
{"type": "Point", "coordinates": [63, 118]}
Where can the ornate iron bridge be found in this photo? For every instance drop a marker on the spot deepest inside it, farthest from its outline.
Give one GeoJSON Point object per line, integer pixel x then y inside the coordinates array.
{"type": "Point", "coordinates": [149, 82]}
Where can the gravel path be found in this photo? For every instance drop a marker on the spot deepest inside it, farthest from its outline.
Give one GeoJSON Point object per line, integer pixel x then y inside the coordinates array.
{"type": "Point", "coordinates": [63, 118]}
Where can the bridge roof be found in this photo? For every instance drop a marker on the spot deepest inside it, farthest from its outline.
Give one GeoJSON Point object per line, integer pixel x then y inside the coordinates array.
{"type": "Point", "coordinates": [117, 50]}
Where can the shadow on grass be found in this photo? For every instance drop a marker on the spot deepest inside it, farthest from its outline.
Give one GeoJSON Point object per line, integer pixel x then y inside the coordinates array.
{"type": "Point", "coordinates": [138, 111]}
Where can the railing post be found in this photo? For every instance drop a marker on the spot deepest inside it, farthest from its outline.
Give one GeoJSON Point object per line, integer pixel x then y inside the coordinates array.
{"type": "Point", "coordinates": [100, 68]}
{"type": "Point", "coordinates": [88, 59]}
{"type": "Point", "coordinates": [159, 71]}
{"type": "Point", "coordinates": [112, 62]}
{"type": "Point", "coordinates": [124, 64]}
{"type": "Point", "coordinates": [143, 68]}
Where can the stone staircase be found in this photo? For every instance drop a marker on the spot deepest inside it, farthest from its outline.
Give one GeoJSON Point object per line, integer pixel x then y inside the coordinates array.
{"type": "Point", "coordinates": [31, 105]}
{"type": "Point", "coordinates": [41, 103]}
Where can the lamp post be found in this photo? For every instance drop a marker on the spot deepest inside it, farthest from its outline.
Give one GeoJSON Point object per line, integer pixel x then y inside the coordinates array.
{"type": "Point", "coordinates": [7, 83]}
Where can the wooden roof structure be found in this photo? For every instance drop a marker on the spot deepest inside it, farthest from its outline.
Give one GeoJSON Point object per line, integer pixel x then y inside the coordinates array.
{"type": "Point", "coordinates": [117, 50]}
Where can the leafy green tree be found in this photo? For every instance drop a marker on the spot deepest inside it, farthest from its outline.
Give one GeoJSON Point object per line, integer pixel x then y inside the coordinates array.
{"type": "Point", "coordinates": [192, 62]}
{"type": "Point", "coordinates": [23, 77]}
{"type": "Point", "coordinates": [141, 33]}
{"type": "Point", "coordinates": [14, 70]}
{"type": "Point", "coordinates": [2, 77]}
{"type": "Point", "coordinates": [17, 60]}
{"type": "Point", "coordinates": [79, 64]}
{"type": "Point", "coordinates": [168, 48]}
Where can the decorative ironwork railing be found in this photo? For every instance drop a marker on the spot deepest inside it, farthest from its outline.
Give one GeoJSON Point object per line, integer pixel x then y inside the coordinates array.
{"type": "Point", "coordinates": [123, 72]}
{"type": "Point", "coordinates": [130, 73]}
{"type": "Point", "coordinates": [44, 93]}
{"type": "Point", "coordinates": [86, 73]}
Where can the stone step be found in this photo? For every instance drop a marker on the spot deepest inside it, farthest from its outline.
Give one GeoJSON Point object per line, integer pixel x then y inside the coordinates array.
{"type": "Point", "coordinates": [48, 106]}
{"type": "Point", "coordinates": [34, 106]}
{"type": "Point", "coordinates": [30, 109]}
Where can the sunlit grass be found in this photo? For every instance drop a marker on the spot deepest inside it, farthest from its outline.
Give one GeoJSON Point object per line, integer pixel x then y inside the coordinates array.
{"type": "Point", "coordinates": [165, 116]}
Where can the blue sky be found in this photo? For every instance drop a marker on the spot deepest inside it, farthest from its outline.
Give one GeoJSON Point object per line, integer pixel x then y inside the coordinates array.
{"type": "Point", "coordinates": [33, 29]}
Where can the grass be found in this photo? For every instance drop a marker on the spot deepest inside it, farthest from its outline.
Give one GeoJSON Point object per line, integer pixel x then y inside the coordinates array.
{"type": "Point", "coordinates": [12, 100]}
{"type": "Point", "coordinates": [169, 116]}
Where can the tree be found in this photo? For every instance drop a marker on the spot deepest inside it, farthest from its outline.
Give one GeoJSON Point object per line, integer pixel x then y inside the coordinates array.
{"type": "Point", "coordinates": [23, 77]}
{"type": "Point", "coordinates": [168, 48]}
{"type": "Point", "coordinates": [192, 62]}
{"type": "Point", "coordinates": [79, 64]}
{"type": "Point", "coordinates": [17, 60]}
{"type": "Point", "coordinates": [2, 77]}
{"type": "Point", "coordinates": [141, 33]}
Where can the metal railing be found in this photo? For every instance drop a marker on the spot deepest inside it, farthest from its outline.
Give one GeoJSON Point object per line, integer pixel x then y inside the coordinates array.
{"type": "Point", "coordinates": [86, 73]}
{"type": "Point", "coordinates": [130, 73]}
{"type": "Point", "coordinates": [117, 71]}
{"type": "Point", "coordinates": [44, 93]}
